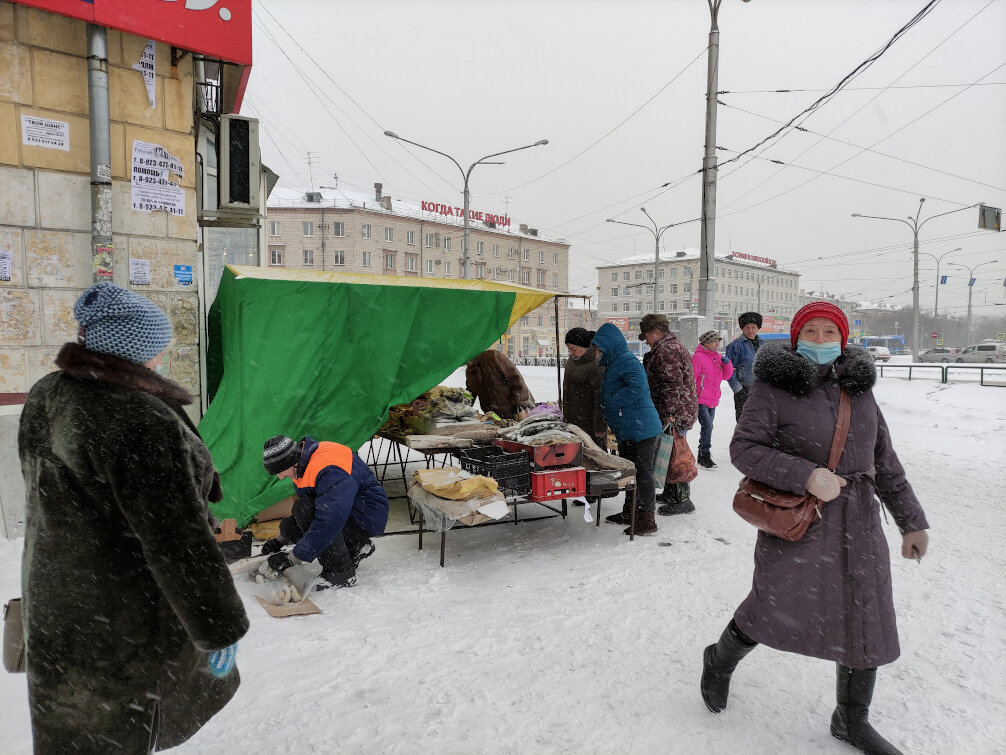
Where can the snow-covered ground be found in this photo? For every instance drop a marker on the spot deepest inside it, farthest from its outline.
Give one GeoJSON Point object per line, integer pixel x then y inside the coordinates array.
{"type": "Point", "coordinates": [559, 636]}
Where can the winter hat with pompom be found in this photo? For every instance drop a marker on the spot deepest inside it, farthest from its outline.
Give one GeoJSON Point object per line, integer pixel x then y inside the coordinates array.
{"type": "Point", "coordinates": [819, 309]}
{"type": "Point", "coordinates": [117, 321]}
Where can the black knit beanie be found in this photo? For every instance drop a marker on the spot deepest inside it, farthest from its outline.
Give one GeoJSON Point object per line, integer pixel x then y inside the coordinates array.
{"type": "Point", "coordinates": [579, 337]}
{"type": "Point", "coordinates": [280, 453]}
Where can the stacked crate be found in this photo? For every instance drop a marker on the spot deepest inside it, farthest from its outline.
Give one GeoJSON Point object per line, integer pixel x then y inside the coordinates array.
{"type": "Point", "coordinates": [557, 470]}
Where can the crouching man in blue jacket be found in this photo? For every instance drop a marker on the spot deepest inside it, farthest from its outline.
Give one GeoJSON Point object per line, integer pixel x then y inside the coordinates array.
{"type": "Point", "coordinates": [339, 505]}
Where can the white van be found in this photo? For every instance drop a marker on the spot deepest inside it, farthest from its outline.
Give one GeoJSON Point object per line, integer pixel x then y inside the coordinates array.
{"type": "Point", "coordinates": [881, 353]}
{"type": "Point", "coordinates": [993, 353]}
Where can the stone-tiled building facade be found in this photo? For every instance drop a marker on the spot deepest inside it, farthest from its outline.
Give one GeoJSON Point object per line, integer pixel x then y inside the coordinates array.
{"type": "Point", "coordinates": [332, 229]}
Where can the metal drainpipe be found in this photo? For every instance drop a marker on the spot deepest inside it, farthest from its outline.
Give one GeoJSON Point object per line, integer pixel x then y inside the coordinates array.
{"type": "Point", "coordinates": [101, 153]}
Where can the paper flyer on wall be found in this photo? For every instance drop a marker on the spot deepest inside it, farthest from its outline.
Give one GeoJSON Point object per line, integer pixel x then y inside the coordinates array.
{"type": "Point", "coordinates": [146, 66]}
{"type": "Point", "coordinates": [151, 187]}
{"type": "Point", "coordinates": [43, 132]}
{"type": "Point", "coordinates": [139, 272]}
{"type": "Point", "coordinates": [6, 264]}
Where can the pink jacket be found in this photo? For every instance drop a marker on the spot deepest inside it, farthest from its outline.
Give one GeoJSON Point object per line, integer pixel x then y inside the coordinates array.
{"type": "Point", "coordinates": [710, 371]}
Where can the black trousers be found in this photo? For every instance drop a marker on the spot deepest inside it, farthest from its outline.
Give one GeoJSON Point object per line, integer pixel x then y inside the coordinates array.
{"type": "Point", "coordinates": [641, 453]}
{"type": "Point", "coordinates": [337, 558]}
{"type": "Point", "coordinates": [740, 398]}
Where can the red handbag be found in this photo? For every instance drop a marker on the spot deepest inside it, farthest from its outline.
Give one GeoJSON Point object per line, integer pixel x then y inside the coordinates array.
{"type": "Point", "coordinates": [779, 512]}
{"type": "Point", "coordinates": [682, 467]}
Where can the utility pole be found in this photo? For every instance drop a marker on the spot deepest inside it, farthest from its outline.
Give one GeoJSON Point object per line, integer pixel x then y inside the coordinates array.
{"type": "Point", "coordinates": [971, 288]}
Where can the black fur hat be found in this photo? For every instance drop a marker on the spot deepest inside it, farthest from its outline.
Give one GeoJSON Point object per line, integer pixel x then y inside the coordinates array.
{"type": "Point", "coordinates": [749, 317]}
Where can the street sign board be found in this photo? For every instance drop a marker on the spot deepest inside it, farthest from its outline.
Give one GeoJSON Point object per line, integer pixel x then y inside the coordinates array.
{"type": "Point", "coordinates": [935, 335]}
{"type": "Point", "coordinates": [939, 341]}
{"type": "Point", "coordinates": [1001, 336]}
{"type": "Point", "coordinates": [989, 218]}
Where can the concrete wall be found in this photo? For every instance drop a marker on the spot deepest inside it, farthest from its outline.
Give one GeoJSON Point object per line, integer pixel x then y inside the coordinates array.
{"type": "Point", "coordinates": [45, 199]}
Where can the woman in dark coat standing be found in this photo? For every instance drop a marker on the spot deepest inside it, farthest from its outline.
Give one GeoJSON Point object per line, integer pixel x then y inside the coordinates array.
{"type": "Point", "coordinates": [581, 386]}
{"type": "Point", "coordinates": [827, 595]}
{"type": "Point", "coordinates": [131, 614]}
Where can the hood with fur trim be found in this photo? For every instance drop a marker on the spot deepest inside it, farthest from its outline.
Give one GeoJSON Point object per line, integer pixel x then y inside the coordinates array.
{"type": "Point", "coordinates": [85, 364]}
{"type": "Point", "coordinates": [781, 367]}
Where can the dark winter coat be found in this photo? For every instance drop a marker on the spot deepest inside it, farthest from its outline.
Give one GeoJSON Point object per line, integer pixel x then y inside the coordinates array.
{"type": "Point", "coordinates": [497, 384]}
{"type": "Point", "coordinates": [741, 353]}
{"type": "Point", "coordinates": [337, 496]}
{"type": "Point", "coordinates": [581, 393]}
{"type": "Point", "coordinates": [125, 589]}
{"type": "Point", "coordinates": [625, 394]}
{"type": "Point", "coordinates": [827, 595]}
{"type": "Point", "coordinates": [672, 384]}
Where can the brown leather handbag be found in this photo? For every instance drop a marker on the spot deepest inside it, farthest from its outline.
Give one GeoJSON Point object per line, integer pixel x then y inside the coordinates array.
{"type": "Point", "coordinates": [779, 512]}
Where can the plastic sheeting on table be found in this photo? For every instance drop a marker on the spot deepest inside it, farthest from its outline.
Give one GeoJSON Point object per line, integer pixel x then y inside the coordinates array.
{"type": "Point", "coordinates": [441, 514]}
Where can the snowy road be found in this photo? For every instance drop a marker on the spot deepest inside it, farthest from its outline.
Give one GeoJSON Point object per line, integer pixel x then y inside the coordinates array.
{"type": "Point", "coordinates": [557, 636]}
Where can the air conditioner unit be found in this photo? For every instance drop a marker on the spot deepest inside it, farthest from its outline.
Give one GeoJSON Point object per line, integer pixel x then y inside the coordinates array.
{"type": "Point", "coordinates": [240, 175]}
{"type": "Point", "coordinates": [438, 262]}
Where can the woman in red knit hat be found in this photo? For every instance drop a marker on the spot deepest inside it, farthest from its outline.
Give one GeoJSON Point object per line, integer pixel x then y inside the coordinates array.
{"type": "Point", "coordinates": [827, 595]}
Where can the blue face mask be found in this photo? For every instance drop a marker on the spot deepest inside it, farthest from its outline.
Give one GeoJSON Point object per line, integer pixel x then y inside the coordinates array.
{"type": "Point", "coordinates": [819, 353]}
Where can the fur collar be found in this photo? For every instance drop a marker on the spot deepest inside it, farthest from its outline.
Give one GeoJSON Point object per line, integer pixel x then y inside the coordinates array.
{"type": "Point", "coordinates": [781, 367]}
{"type": "Point", "coordinates": [84, 364]}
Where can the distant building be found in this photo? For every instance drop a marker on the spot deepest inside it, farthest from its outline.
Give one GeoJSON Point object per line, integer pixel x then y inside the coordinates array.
{"type": "Point", "coordinates": [337, 229]}
{"type": "Point", "coordinates": [743, 283]}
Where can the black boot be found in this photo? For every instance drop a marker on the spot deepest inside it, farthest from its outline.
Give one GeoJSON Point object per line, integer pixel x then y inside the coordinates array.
{"type": "Point", "coordinates": [850, 721]}
{"type": "Point", "coordinates": [624, 517]}
{"type": "Point", "coordinates": [719, 662]}
{"type": "Point", "coordinates": [705, 460]}
{"type": "Point", "coordinates": [677, 500]}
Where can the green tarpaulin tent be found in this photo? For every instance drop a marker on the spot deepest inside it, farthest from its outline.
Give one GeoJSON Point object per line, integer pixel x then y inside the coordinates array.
{"type": "Point", "coordinates": [326, 354]}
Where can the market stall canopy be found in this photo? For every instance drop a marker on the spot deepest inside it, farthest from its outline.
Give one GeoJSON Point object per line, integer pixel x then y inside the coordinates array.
{"type": "Point", "coordinates": [326, 354]}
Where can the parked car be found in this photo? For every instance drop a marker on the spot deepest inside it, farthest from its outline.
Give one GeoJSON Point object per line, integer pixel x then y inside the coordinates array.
{"type": "Point", "coordinates": [983, 352]}
{"type": "Point", "coordinates": [939, 354]}
{"type": "Point", "coordinates": [881, 353]}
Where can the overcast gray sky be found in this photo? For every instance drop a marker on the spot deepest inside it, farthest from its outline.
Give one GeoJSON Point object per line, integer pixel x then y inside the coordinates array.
{"type": "Point", "coordinates": [618, 89]}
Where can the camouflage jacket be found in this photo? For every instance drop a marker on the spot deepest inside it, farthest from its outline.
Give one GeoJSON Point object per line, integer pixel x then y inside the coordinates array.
{"type": "Point", "coordinates": [672, 385]}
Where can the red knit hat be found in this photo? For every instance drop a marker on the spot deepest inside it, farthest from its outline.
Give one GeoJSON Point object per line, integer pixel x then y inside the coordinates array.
{"type": "Point", "coordinates": [819, 309]}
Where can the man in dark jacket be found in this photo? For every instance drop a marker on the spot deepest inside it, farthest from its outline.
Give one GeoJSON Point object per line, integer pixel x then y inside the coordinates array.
{"type": "Point", "coordinates": [497, 384]}
{"type": "Point", "coordinates": [668, 368]}
{"type": "Point", "coordinates": [131, 613]}
{"type": "Point", "coordinates": [741, 353]}
{"type": "Point", "coordinates": [339, 505]}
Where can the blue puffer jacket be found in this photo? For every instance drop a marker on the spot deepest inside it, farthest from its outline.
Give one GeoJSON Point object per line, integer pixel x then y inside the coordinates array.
{"type": "Point", "coordinates": [625, 393]}
{"type": "Point", "coordinates": [741, 353]}
{"type": "Point", "coordinates": [339, 497]}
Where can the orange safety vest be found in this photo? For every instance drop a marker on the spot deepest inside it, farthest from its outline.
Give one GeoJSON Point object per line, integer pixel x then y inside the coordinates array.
{"type": "Point", "coordinates": [327, 454]}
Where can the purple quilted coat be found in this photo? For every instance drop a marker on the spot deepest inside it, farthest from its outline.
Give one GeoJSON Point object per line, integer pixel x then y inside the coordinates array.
{"type": "Point", "coordinates": [827, 595]}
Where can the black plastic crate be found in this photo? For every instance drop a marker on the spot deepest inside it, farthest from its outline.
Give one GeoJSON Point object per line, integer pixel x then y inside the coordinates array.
{"type": "Point", "coordinates": [512, 471]}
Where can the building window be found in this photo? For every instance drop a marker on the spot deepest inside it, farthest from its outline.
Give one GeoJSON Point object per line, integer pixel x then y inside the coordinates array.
{"type": "Point", "coordinates": [526, 276]}
{"type": "Point", "coordinates": [389, 234]}
{"type": "Point", "coordinates": [626, 275]}
{"type": "Point", "coordinates": [541, 277]}
{"type": "Point", "coordinates": [555, 280]}
{"type": "Point", "coordinates": [674, 272]}
{"type": "Point", "coordinates": [527, 255]}
{"type": "Point", "coordinates": [410, 263]}
{"type": "Point", "coordinates": [308, 229]}
{"type": "Point", "coordinates": [510, 275]}
{"type": "Point", "coordinates": [674, 306]}
{"type": "Point", "coordinates": [496, 250]}
{"type": "Point", "coordinates": [447, 243]}
{"type": "Point", "coordinates": [555, 258]}
{"type": "Point", "coordinates": [447, 267]}
{"type": "Point", "coordinates": [660, 306]}
{"type": "Point", "coordinates": [309, 256]}
{"type": "Point", "coordinates": [275, 256]}
{"type": "Point", "coordinates": [625, 306]}
{"type": "Point", "coordinates": [366, 230]}
{"type": "Point", "coordinates": [639, 306]}
{"type": "Point", "coordinates": [686, 287]}
{"type": "Point", "coordinates": [510, 253]}
{"type": "Point", "coordinates": [649, 275]}
{"type": "Point", "coordinates": [673, 288]}
{"type": "Point", "coordinates": [541, 256]}
{"type": "Point", "coordinates": [410, 238]}
{"type": "Point", "coordinates": [649, 305]}
{"type": "Point", "coordinates": [429, 267]}
{"type": "Point", "coordinates": [389, 261]}
{"type": "Point", "coordinates": [274, 228]}
{"type": "Point", "coordinates": [339, 229]}
{"type": "Point", "coordinates": [429, 240]}
{"type": "Point", "coordinates": [660, 273]}
{"type": "Point", "coordinates": [479, 247]}
{"type": "Point", "coordinates": [614, 307]}
{"type": "Point", "coordinates": [366, 259]}
{"type": "Point", "coordinates": [481, 271]}
{"type": "Point", "coordinates": [639, 275]}
{"type": "Point", "coordinates": [614, 276]}
{"type": "Point", "coordinates": [339, 257]}
{"type": "Point", "coordinates": [614, 291]}
{"type": "Point", "coordinates": [540, 323]}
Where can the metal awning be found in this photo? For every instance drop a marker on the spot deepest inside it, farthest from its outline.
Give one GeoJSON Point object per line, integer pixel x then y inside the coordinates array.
{"type": "Point", "coordinates": [543, 342]}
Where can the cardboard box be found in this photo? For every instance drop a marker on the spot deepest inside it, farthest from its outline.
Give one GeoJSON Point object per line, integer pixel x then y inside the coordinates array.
{"type": "Point", "coordinates": [553, 484]}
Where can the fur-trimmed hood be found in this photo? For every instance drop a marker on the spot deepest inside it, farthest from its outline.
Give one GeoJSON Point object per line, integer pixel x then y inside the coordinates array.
{"type": "Point", "coordinates": [85, 364]}
{"type": "Point", "coordinates": [781, 367]}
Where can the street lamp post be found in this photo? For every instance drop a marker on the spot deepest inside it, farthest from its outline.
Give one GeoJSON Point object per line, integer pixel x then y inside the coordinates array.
{"type": "Point", "coordinates": [915, 226]}
{"type": "Point", "coordinates": [971, 288]}
{"type": "Point", "coordinates": [657, 233]}
{"type": "Point", "coordinates": [936, 301]}
{"type": "Point", "coordinates": [466, 264]}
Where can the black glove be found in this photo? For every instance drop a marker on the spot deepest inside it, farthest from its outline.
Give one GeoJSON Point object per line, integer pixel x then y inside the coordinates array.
{"type": "Point", "coordinates": [279, 562]}
{"type": "Point", "coordinates": [271, 546]}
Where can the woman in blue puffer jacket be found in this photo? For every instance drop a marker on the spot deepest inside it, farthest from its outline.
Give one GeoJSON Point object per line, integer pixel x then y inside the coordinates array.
{"type": "Point", "coordinates": [625, 399]}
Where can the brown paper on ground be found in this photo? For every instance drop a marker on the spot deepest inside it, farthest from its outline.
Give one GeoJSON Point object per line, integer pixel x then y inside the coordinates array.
{"type": "Point", "coordinates": [452, 483]}
{"type": "Point", "coordinates": [281, 611]}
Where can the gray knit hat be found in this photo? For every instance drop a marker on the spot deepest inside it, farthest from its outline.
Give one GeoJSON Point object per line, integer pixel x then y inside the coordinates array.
{"type": "Point", "coordinates": [280, 453]}
{"type": "Point", "coordinates": [121, 322]}
{"type": "Point", "coordinates": [709, 336]}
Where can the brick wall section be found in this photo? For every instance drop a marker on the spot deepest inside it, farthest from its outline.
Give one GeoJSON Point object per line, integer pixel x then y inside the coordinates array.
{"type": "Point", "coordinates": [45, 193]}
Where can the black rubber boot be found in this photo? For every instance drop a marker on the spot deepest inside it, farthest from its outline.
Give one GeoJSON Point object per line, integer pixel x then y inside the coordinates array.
{"type": "Point", "coordinates": [677, 500]}
{"type": "Point", "coordinates": [623, 517]}
{"type": "Point", "coordinates": [719, 662]}
{"type": "Point", "coordinates": [850, 721]}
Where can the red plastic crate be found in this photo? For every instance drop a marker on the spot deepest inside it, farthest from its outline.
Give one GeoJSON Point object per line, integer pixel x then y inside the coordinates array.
{"type": "Point", "coordinates": [552, 484]}
{"type": "Point", "coordinates": [546, 457]}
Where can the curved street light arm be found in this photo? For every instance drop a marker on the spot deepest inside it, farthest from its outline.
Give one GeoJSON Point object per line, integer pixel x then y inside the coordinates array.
{"type": "Point", "coordinates": [393, 135]}
{"type": "Point", "coordinates": [879, 217]}
{"type": "Point", "coordinates": [481, 160]}
{"type": "Point", "coordinates": [949, 212]}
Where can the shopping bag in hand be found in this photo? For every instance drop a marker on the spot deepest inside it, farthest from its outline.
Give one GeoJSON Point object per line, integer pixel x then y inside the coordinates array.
{"type": "Point", "coordinates": [662, 460]}
{"type": "Point", "coordinates": [683, 467]}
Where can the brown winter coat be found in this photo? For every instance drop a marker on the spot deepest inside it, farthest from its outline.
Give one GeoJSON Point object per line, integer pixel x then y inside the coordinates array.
{"type": "Point", "coordinates": [672, 383]}
{"type": "Point", "coordinates": [581, 393]}
{"type": "Point", "coordinates": [827, 595]}
{"type": "Point", "coordinates": [125, 589]}
{"type": "Point", "coordinates": [496, 383]}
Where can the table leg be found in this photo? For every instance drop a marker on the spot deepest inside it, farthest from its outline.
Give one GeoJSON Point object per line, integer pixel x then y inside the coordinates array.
{"type": "Point", "coordinates": [420, 527]}
{"type": "Point", "coordinates": [443, 546]}
{"type": "Point", "coordinates": [632, 517]}
{"type": "Point", "coordinates": [564, 508]}
{"type": "Point", "coordinates": [597, 522]}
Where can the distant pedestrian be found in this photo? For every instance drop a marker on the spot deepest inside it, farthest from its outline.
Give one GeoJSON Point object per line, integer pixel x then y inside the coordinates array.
{"type": "Point", "coordinates": [711, 368]}
{"type": "Point", "coordinates": [581, 386]}
{"type": "Point", "coordinates": [668, 368]}
{"type": "Point", "coordinates": [625, 398]}
{"type": "Point", "coordinates": [741, 353]}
